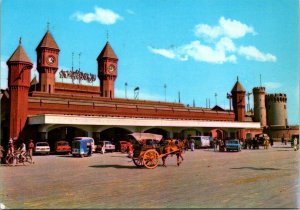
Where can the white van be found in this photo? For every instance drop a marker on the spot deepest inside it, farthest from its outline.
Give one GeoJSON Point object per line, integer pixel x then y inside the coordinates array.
{"type": "Point", "coordinates": [93, 142]}
{"type": "Point", "coordinates": [201, 141]}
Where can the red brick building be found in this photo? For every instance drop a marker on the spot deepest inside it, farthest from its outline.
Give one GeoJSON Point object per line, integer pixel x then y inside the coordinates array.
{"type": "Point", "coordinates": [49, 110]}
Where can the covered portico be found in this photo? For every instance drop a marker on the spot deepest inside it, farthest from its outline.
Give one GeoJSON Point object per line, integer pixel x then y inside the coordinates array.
{"type": "Point", "coordinates": [94, 125]}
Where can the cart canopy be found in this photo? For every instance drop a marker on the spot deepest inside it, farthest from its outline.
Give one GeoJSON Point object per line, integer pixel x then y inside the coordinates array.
{"type": "Point", "coordinates": [142, 137]}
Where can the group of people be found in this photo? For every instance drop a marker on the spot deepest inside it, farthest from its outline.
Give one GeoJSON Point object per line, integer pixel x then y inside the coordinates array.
{"type": "Point", "coordinates": [12, 151]}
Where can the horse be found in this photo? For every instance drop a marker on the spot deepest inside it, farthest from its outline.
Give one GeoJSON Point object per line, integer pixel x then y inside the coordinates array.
{"type": "Point", "coordinates": [173, 147]}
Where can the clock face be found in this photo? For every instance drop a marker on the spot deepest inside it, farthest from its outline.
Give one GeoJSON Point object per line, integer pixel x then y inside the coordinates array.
{"type": "Point", "coordinates": [111, 68]}
{"type": "Point", "coordinates": [51, 59]}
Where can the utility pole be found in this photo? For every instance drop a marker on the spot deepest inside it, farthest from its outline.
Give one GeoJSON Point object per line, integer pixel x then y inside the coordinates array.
{"type": "Point", "coordinates": [165, 86]}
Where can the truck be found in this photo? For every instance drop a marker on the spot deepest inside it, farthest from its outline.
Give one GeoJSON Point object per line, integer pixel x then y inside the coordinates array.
{"type": "Point", "coordinates": [201, 141]}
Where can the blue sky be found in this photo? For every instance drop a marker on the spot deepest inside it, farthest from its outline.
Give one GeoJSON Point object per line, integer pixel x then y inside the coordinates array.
{"type": "Point", "coordinates": [197, 47]}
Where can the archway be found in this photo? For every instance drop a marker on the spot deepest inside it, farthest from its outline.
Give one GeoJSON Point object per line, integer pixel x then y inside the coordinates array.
{"type": "Point", "coordinates": [185, 133]}
{"type": "Point", "coordinates": [159, 131]}
{"type": "Point", "coordinates": [218, 133]}
{"type": "Point", "coordinates": [114, 134]}
{"type": "Point", "coordinates": [66, 133]}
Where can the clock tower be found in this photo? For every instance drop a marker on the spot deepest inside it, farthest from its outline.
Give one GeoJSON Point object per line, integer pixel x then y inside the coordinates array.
{"type": "Point", "coordinates": [107, 71]}
{"type": "Point", "coordinates": [47, 62]}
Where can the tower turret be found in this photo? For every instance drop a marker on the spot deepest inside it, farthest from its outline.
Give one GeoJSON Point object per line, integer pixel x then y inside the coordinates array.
{"type": "Point", "coordinates": [259, 96]}
{"type": "Point", "coordinates": [19, 73]}
{"type": "Point", "coordinates": [276, 109]}
{"type": "Point", "coordinates": [238, 101]}
{"type": "Point", "coordinates": [107, 71]}
{"type": "Point", "coordinates": [47, 62]}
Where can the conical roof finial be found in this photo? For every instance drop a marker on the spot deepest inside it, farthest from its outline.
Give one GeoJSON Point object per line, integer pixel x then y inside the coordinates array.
{"type": "Point", "coordinates": [48, 26]}
{"type": "Point", "coordinates": [20, 41]}
{"type": "Point", "coordinates": [237, 78]}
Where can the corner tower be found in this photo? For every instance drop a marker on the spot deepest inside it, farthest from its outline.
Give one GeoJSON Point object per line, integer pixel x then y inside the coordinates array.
{"type": "Point", "coordinates": [47, 62]}
{"type": "Point", "coordinates": [19, 73]}
{"type": "Point", "coordinates": [238, 101]}
{"type": "Point", "coordinates": [107, 71]}
{"type": "Point", "coordinates": [276, 109]}
{"type": "Point", "coordinates": [259, 96]}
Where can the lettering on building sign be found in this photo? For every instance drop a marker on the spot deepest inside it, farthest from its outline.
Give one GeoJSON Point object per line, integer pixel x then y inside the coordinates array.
{"type": "Point", "coordinates": [77, 75]}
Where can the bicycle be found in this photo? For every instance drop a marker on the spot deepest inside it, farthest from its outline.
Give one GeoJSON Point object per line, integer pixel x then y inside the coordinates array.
{"type": "Point", "coordinates": [17, 158]}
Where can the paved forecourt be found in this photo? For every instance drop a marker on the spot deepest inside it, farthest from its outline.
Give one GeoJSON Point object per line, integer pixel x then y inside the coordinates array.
{"type": "Point", "coordinates": [247, 179]}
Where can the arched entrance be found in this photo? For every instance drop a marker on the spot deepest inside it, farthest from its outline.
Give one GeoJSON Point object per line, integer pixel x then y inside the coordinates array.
{"type": "Point", "coordinates": [114, 134]}
{"type": "Point", "coordinates": [157, 131]}
{"type": "Point", "coordinates": [218, 133]}
{"type": "Point", "coordinates": [66, 133]}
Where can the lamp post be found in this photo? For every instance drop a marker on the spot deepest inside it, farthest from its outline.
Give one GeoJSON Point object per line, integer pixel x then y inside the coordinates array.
{"type": "Point", "coordinates": [126, 90]}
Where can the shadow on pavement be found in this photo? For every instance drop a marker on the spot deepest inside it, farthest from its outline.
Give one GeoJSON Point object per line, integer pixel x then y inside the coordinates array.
{"type": "Point", "coordinates": [259, 169]}
{"type": "Point", "coordinates": [113, 166]}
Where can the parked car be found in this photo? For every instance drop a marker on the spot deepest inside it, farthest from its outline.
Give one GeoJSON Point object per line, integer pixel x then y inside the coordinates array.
{"type": "Point", "coordinates": [233, 144]}
{"type": "Point", "coordinates": [107, 145]}
{"type": "Point", "coordinates": [91, 139]}
{"type": "Point", "coordinates": [42, 148]}
{"type": "Point", "coordinates": [82, 146]}
{"type": "Point", "coordinates": [62, 147]}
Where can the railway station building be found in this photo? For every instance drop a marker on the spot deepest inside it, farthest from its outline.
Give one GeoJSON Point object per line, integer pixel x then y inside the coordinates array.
{"type": "Point", "coordinates": [47, 110]}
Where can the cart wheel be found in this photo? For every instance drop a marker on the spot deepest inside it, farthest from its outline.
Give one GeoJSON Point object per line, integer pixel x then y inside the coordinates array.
{"type": "Point", "coordinates": [138, 162]}
{"type": "Point", "coordinates": [151, 159]}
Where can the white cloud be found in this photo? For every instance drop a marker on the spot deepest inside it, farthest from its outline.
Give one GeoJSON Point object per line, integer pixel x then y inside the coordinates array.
{"type": "Point", "coordinates": [208, 31]}
{"type": "Point", "coordinates": [233, 29]}
{"type": "Point", "coordinates": [252, 53]}
{"type": "Point", "coordinates": [226, 44]}
{"type": "Point", "coordinates": [103, 16]}
{"type": "Point", "coordinates": [219, 46]}
{"type": "Point", "coordinates": [163, 52]}
{"type": "Point", "coordinates": [200, 52]}
{"type": "Point", "coordinates": [4, 73]}
{"type": "Point", "coordinates": [205, 53]}
{"type": "Point", "coordinates": [272, 85]}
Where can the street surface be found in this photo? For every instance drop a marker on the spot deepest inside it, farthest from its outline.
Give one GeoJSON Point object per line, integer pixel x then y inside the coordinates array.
{"type": "Point", "coordinates": [206, 179]}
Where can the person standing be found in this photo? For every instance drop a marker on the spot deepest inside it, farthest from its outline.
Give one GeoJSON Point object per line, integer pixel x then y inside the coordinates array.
{"type": "Point", "coordinates": [30, 148]}
{"type": "Point", "coordinates": [1, 153]}
{"type": "Point", "coordinates": [192, 145]}
{"type": "Point", "coordinates": [103, 148]}
{"type": "Point", "coordinates": [215, 142]}
{"type": "Point", "coordinates": [271, 141]}
{"type": "Point", "coordinates": [22, 149]}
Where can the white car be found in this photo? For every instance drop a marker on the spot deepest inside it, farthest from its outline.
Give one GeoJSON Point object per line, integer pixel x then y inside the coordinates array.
{"type": "Point", "coordinates": [107, 145]}
{"type": "Point", "coordinates": [42, 148]}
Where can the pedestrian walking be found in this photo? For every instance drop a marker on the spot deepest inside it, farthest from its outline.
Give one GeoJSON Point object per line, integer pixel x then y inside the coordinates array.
{"type": "Point", "coordinates": [282, 140]}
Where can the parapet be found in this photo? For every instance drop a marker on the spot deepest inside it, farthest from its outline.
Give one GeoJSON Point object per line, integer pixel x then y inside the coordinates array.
{"type": "Point", "coordinates": [259, 90]}
{"type": "Point", "coordinates": [276, 97]}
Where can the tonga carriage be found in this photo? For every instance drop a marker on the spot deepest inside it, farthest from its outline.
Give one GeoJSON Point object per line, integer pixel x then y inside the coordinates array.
{"type": "Point", "coordinates": [148, 148]}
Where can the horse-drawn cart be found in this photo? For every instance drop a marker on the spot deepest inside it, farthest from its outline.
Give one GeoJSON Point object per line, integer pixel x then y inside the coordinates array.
{"type": "Point", "coordinates": [148, 149]}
